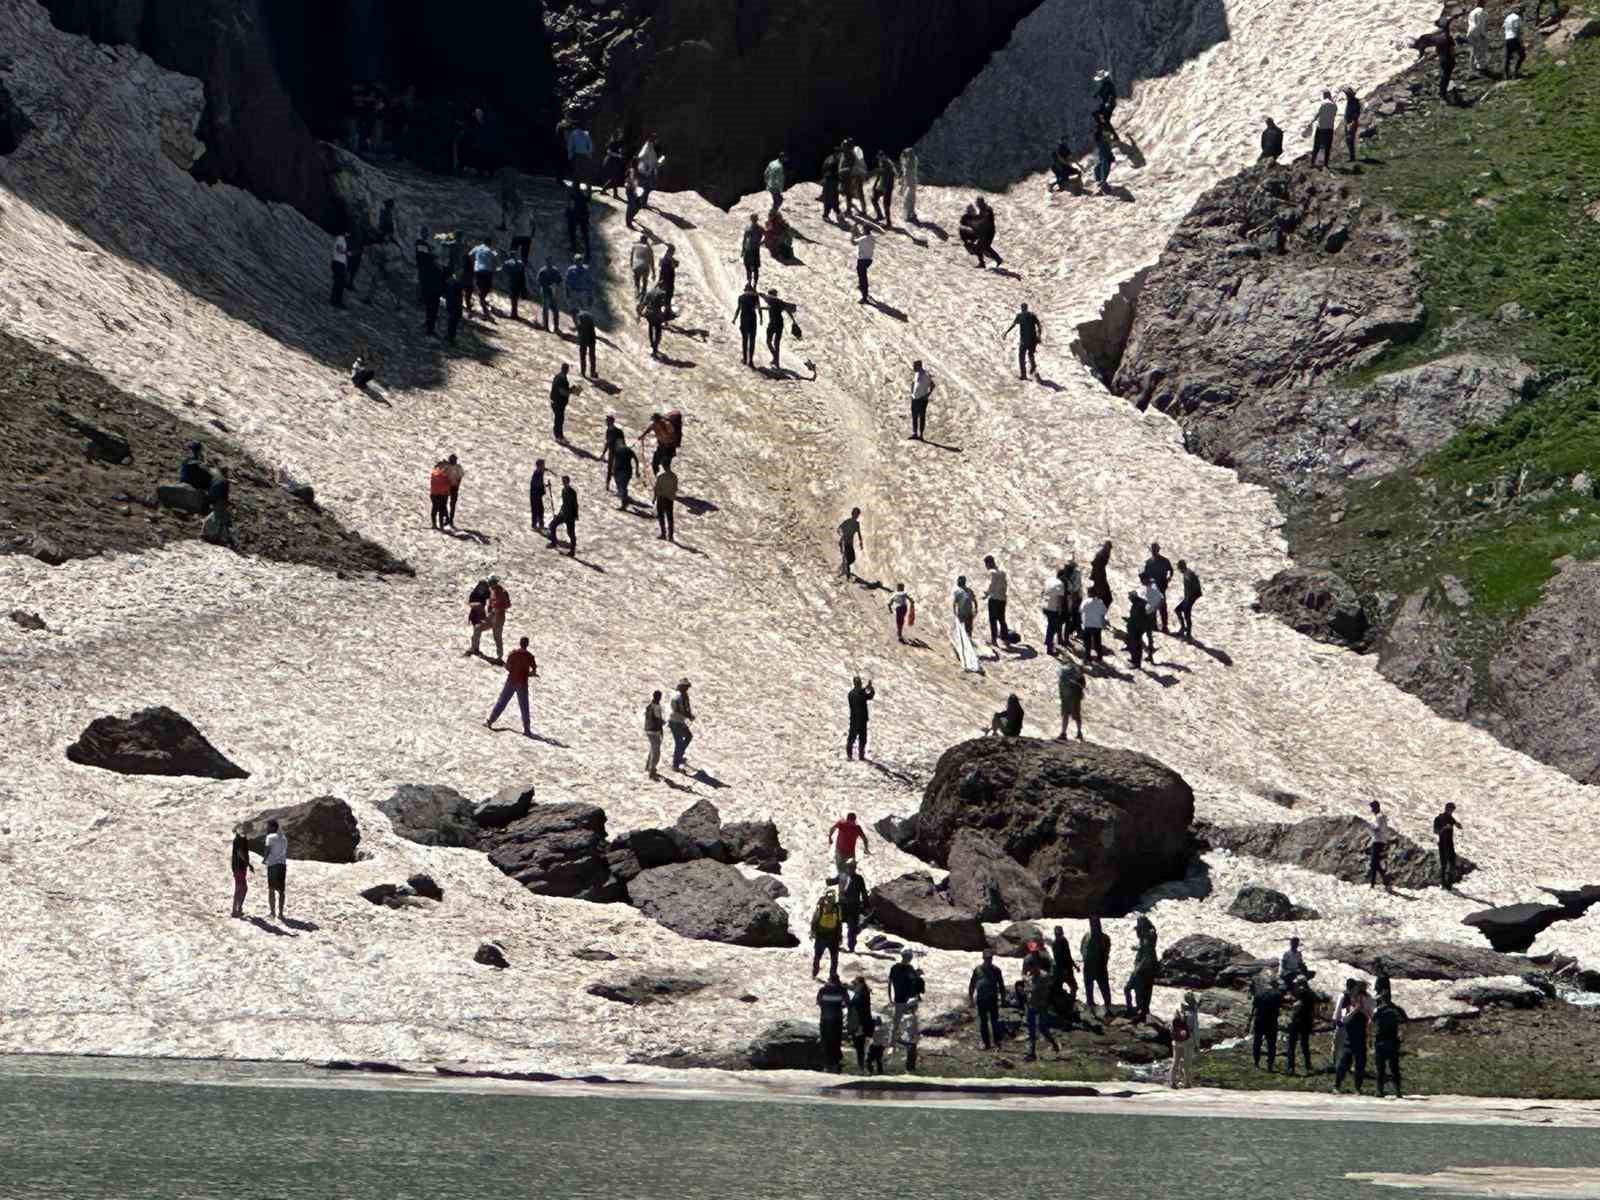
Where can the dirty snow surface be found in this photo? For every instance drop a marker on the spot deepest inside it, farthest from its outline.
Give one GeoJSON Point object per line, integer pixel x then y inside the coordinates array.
{"type": "Point", "coordinates": [214, 304]}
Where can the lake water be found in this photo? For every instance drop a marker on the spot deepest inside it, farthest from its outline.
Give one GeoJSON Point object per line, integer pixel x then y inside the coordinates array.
{"type": "Point", "coordinates": [75, 1129]}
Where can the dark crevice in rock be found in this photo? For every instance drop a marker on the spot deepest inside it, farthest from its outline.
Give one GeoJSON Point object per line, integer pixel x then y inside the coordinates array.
{"type": "Point", "coordinates": [1100, 343]}
{"type": "Point", "coordinates": [14, 124]}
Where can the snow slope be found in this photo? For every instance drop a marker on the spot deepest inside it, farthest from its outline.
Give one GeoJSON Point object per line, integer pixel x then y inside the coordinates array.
{"type": "Point", "coordinates": [211, 302]}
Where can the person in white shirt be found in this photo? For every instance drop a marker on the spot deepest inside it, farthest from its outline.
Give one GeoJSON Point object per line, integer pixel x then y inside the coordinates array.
{"type": "Point", "coordinates": [1380, 846]}
{"type": "Point", "coordinates": [921, 391]}
{"type": "Point", "coordinates": [1051, 602]}
{"type": "Point", "coordinates": [995, 594]}
{"type": "Point", "coordinates": [1154, 600]}
{"type": "Point", "coordinates": [646, 166]}
{"type": "Point", "coordinates": [1322, 133]}
{"type": "Point", "coordinates": [484, 263]}
{"type": "Point", "coordinates": [866, 244]}
{"type": "Point", "coordinates": [1513, 29]}
{"type": "Point", "coordinates": [643, 260]}
{"type": "Point", "coordinates": [1478, 38]}
{"type": "Point", "coordinates": [1092, 615]}
{"type": "Point", "coordinates": [1292, 964]}
{"type": "Point", "coordinates": [341, 270]}
{"type": "Point", "coordinates": [277, 863]}
{"type": "Point", "coordinates": [902, 606]}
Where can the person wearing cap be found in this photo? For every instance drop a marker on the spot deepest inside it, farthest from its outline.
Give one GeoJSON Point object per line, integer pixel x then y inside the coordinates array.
{"type": "Point", "coordinates": [520, 664]}
{"type": "Point", "coordinates": [921, 392]}
{"type": "Point", "coordinates": [905, 985]}
{"type": "Point", "coordinates": [831, 1000]}
{"type": "Point", "coordinates": [825, 932]}
{"type": "Point", "coordinates": [679, 720]}
{"type": "Point", "coordinates": [984, 990]}
{"type": "Point", "coordinates": [1292, 965]}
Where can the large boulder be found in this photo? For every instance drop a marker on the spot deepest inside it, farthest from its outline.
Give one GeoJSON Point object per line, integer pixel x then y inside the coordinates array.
{"type": "Point", "coordinates": [431, 815]}
{"type": "Point", "coordinates": [787, 1046]}
{"type": "Point", "coordinates": [710, 901]}
{"type": "Point", "coordinates": [320, 830]}
{"type": "Point", "coordinates": [505, 806]}
{"type": "Point", "coordinates": [699, 833]}
{"type": "Point", "coordinates": [1265, 906]}
{"type": "Point", "coordinates": [1511, 928]}
{"type": "Point", "coordinates": [1202, 961]}
{"type": "Point", "coordinates": [913, 908]}
{"type": "Point", "coordinates": [557, 850]}
{"type": "Point", "coordinates": [151, 741]}
{"type": "Point", "coordinates": [985, 879]}
{"type": "Point", "coordinates": [1317, 603]}
{"type": "Point", "coordinates": [1096, 826]}
{"type": "Point", "coordinates": [181, 497]}
{"type": "Point", "coordinates": [1334, 846]}
{"type": "Point", "coordinates": [1426, 960]}
{"type": "Point", "coordinates": [1422, 652]}
{"type": "Point", "coordinates": [755, 843]}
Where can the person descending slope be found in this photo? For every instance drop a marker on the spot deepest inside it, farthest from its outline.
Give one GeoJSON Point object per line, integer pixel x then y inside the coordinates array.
{"type": "Point", "coordinates": [1030, 332]}
{"type": "Point", "coordinates": [1271, 141]}
{"type": "Point", "coordinates": [776, 310]}
{"type": "Point", "coordinates": [747, 315]}
{"type": "Point", "coordinates": [750, 251]}
{"type": "Point", "coordinates": [849, 537]}
{"type": "Point", "coordinates": [977, 232]}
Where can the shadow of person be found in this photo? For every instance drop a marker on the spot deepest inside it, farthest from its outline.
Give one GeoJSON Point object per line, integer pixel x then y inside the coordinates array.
{"type": "Point", "coordinates": [1165, 681]}
{"type": "Point", "coordinates": [468, 535]}
{"type": "Point", "coordinates": [696, 505]}
{"type": "Point", "coordinates": [940, 445]}
{"type": "Point", "coordinates": [303, 926]}
{"type": "Point", "coordinates": [710, 780]}
{"type": "Point", "coordinates": [1007, 273]}
{"type": "Point", "coordinates": [1047, 384]}
{"type": "Point", "coordinates": [887, 309]}
{"type": "Point", "coordinates": [1130, 151]}
{"type": "Point", "coordinates": [674, 218]}
{"type": "Point", "coordinates": [376, 394]}
{"type": "Point", "coordinates": [934, 228]}
{"type": "Point", "coordinates": [898, 776]}
{"type": "Point", "coordinates": [1118, 192]}
{"type": "Point", "coordinates": [681, 363]}
{"type": "Point", "coordinates": [1221, 656]}
{"type": "Point", "coordinates": [267, 926]}
{"type": "Point", "coordinates": [609, 389]}
{"type": "Point", "coordinates": [917, 644]}
{"type": "Point", "coordinates": [675, 786]}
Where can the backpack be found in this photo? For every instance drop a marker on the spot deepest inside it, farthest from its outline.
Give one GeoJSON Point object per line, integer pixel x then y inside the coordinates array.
{"type": "Point", "coordinates": [479, 593]}
{"type": "Point", "coordinates": [827, 915]}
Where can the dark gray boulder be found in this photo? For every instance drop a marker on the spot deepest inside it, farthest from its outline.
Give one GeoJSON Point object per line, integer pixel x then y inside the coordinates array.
{"type": "Point", "coordinates": [431, 815]}
{"type": "Point", "coordinates": [423, 885]}
{"type": "Point", "coordinates": [558, 850]}
{"type": "Point", "coordinates": [1319, 604]}
{"type": "Point", "coordinates": [1500, 995]}
{"type": "Point", "coordinates": [912, 908]}
{"type": "Point", "coordinates": [1011, 942]}
{"type": "Point", "coordinates": [772, 889]}
{"type": "Point", "coordinates": [1334, 846]}
{"type": "Point", "coordinates": [756, 844]}
{"type": "Point", "coordinates": [1511, 928]}
{"type": "Point", "coordinates": [491, 954]}
{"type": "Point", "coordinates": [28, 622]}
{"type": "Point", "coordinates": [320, 830]}
{"type": "Point", "coordinates": [392, 895]}
{"type": "Point", "coordinates": [985, 879]}
{"type": "Point", "coordinates": [1426, 960]}
{"type": "Point", "coordinates": [1202, 961]}
{"type": "Point", "coordinates": [151, 741]}
{"type": "Point", "coordinates": [1265, 906]}
{"type": "Point", "coordinates": [505, 806]}
{"type": "Point", "coordinates": [1096, 826]}
{"type": "Point", "coordinates": [1419, 652]}
{"type": "Point", "coordinates": [699, 833]}
{"type": "Point", "coordinates": [647, 989]}
{"type": "Point", "coordinates": [710, 901]}
{"type": "Point", "coordinates": [786, 1046]}
{"type": "Point", "coordinates": [180, 497]}
{"type": "Point", "coordinates": [99, 444]}
{"type": "Point", "coordinates": [898, 831]}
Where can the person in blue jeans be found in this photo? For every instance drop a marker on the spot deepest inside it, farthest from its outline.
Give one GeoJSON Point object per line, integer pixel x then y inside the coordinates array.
{"type": "Point", "coordinates": [678, 722]}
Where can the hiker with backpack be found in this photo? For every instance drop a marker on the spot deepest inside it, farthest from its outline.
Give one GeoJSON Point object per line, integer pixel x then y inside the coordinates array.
{"type": "Point", "coordinates": [826, 926]}
{"type": "Point", "coordinates": [1192, 591]}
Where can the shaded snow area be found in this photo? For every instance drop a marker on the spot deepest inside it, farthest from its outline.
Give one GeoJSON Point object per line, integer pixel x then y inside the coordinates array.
{"type": "Point", "coordinates": [214, 304]}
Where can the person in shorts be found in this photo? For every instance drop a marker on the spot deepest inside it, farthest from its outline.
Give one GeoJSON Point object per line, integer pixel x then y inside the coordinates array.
{"type": "Point", "coordinates": [277, 861]}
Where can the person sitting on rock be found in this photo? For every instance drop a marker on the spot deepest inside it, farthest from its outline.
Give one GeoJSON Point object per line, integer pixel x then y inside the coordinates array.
{"type": "Point", "coordinates": [778, 237]}
{"type": "Point", "coordinates": [1008, 721]}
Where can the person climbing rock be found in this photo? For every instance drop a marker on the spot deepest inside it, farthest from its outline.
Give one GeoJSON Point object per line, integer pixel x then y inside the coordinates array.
{"type": "Point", "coordinates": [747, 315]}
{"type": "Point", "coordinates": [849, 537]}
{"type": "Point", "coordinates": [1094, 956]}
{"type": "Point", "coordinates": [859, 699]}
{"type": "Point", "coordinates": [520, 664]}
{"type": "Point", "coordinates": [1478, 37]}
{"type": "Point", "coordinates": [1030, 332]}
{"type": "Point", "coordinates": [826, 931]}
{"type": "Point", "coordinates": [845, 836]}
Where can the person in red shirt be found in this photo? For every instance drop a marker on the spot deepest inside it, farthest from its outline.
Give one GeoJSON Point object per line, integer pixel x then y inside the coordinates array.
{"type": "Point", "coordinates": [519, 666]}
{"type": "Point", "coordinates": [439, 494]}
{"type": "Point", "coordinates": [844, 835]}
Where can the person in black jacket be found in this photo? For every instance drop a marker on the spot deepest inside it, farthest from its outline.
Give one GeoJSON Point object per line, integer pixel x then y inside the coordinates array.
{"type": "Point", "coordinates": [984, 991]}
{"type": "Point", "coordinates": [747, 314]}
{"type": "Point", "coordinates": [1266, 1004]}
{"type": "Point", "coordinates": [1271, 141]}
{"type": "Point", "coordinates": [1159, 568]}
{"type": "Point", "coordinates": [1137, 616]}
{"type": "Point", "coordinates": [1191, 593]}
{"type": "Point", "coordinates": [831, 1000]}
{"type": "Point", "coordinates": [858, 1019]}
{"type": "Point", "coordinates": [567, 514]}
{"type": "Point", "coordinates": [859, 698]}
{"type": "Point", "coordinates": [560, 395]}
{"type": "Point", "coordinates": [750, 251]}
{"type": "Point", "coordinates": [852, 906]}
{"type": "Point", "coordinates": [1301, 1018]}
{"type": "Point", "coordinates": [455, 292]}
{"type": "Point", "coordinates": [1352, 120]}
{"type": "Point", "coordinates": [240, 861]}
{"type": "Point", "coordinates": [905, 985]}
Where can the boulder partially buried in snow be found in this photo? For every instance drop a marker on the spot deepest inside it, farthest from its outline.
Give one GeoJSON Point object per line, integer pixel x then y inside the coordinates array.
{"type": "Point", "coordinates": [914, 909]}
{"type": "Point", "coordinates": [152, 741]}
{"type": "Point", "coordinates": [320, 830]}
{"type": "Point", "coordinates": [431, 815]}
{"type": "Point", "coordinates": [1202, 961]}
{"type": "Point", "coordinates": [1096, 826]}
{"type": "Point", "coordinates": [557, 850]}
{"type": "Point", "coordinates": [712, 902]}
{"type": "Point", "coordinates": [1265, 906]}
{"type": "Point", "coordinates": [505, 806]}
{"type": "Point", "coordinates": [1426, 960]}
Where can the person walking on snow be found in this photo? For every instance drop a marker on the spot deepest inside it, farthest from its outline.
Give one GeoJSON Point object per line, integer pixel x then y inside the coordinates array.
{"type": "Point", "coordinates": [1378, 848]}
{"type": "Point", "coordinates": [666, 495]}
{"type": "Point", "coordinates": [902, 606]}
{"type": "Point", "coordinates": [1192, 591]}
{"type": "Point", "coordinates": [538, 489]}
{"type": "Point", "coordinates": [964, 604]}
{"type": "Point", "coordinates": [921, 393]}
{"type": "Point", "coordinates": [1322, 130]}
{"type": "Point", "coordinates": [519, 665]}
{"type": "Point", "coordinates": [1092, 617]}
{"type": "Point", "coordinates": [774, 180]}
{"type": "Point", "coordinates": [495, 607]}
{"type": "Point", "coordinates": [439, 495]}
{"type": "Point", "coordinates": [866, 245]}
{"type": "Point", "coordinates": [883, 181]}
{"type": "Point", "coordinates": [484, 263]}
{"type": "Point", "coordinates": [567, 514]}
{"type": "Point", "coordinates": [1444, 828]}
{"type": "Point", "coordinates": [849, 537]}
{"type": "Point", "coordinates": [1104, 159]}
{"type": "Point", "coordinates": [1030, 332]}
{"type": "Point", "coordinates": [859, 699]}
{"type": "Point", "coordinates": [561, 389]}
{"type": "Point", "coordinates": [1099, 584]}
{"type": "Point", "coordinates": [679, 720]}
{"type": "Point", "coordinates": [654, 723]}
{"type": "Point", "coordinates": [995, 594]}
{"type": "Point", "coordinates": [643, 261]}
{"type": "Point", "coordinates": [776, 310]}
{"type": "Point", "coordinates": [844, 837]}
{"type": "Point", "coordinates": [1158, 567]}
{"type": "Point", "coordinates": [1071, 682]}
{"type": "Point", "coordinates": [750, 251]}
{"type": "Point", "coordinates": [1051, 601]}
{"type": "Point", "coordinates": [853, 901]}
{"type": "Point", "coordinates": [276, 859]}
{"type": "Point", "coordinates": [908, 185]}
{"type": "Point", "coordinates": [747, 315]}
{"type": "Point", "coordinates": [977, 232]}
{"type": "Point", "coordinates": [455, 473]}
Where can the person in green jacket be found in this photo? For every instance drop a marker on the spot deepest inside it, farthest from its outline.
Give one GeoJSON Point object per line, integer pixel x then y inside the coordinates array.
{"type": "Point", "coordinates": [1136, 991]}
{"type": "Point", "coordinates": [1094, 955]}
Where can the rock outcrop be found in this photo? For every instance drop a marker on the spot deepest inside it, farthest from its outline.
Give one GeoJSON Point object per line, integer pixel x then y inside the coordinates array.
{"type": "Point", "coordinates": [710, 901]}
{"type": "Point", "coordinates": [1096, 826]}
{"type": "Point", "coordinates": [505, 806]}
{"type": "Point", "coordinates": [699, 833]}
{"type": "Point", "coordinates": [320, 830]}
{"type": "Point", "coordinates": [1511, 928]}
{"type": "Point", "coordinates": [431, 815]}
{"type": "Point", "coordinates": [989, 882]}
{"type": "Point", "coordinates": [1319, 604]}
{"type": "Point", "coordinates": [151, 741]}
{"type": "Point", "coordinates": [1265, 906]}
{"type": "Point", "coordinates": [1202, 961]}
{"type": "Point", "coordinates": [786, 1046]}
{"type": "Point", "coordinates": [1426, 960]}
{"type": "Point", "coordinates": [557, 850]}
{"type": "Point", "coordinates": [646, 989]}
{"type": "Point", "coordinates": [1334, 846]}
{"type": "Point", "coordinates": [1419, 653]}
{"type": "Point", "coordinates": [911, 907]}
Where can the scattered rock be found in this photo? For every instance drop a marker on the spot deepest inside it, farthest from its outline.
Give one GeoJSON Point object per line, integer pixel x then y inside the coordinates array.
{"type": "Point", "coordinates": [591, 954]}
{"type": "Point", "coordinates": [1096, 826]}
{"type": "Point", "coordinates": [1499, 995]}
{"type": "Point", "coordinates": [391, 895]}
{"type": "Point", "coordinates": [646, 989]}
{"type": "Point", "coordinates": [320, 830]}
{"type": "Point", "coordinates": [1568, 32]}
{"type": "Point", "coordinates": [1319, 604]}
{"type": "Point", "coordinates": [710, 901]}
{"type": "Point", "coordinates": [152, 741]}
{"type": "Point", "coordinates": [1511, 928]}
{"type": "Point", "coordinates": [772, 889]}
{"type": "Point", "coordinates": [491, 954]}
{"type": "Point", "coordinates": [985, 879]}
{"type": "Point", "coordinates": [787, 1045]}
{"type": "Point", "coordinates": [1334, 846]}
{"type": "Point", "coordinates": [1201, 961]}
{"type": "Point", "coordinates": [1011, 941]}
{"type": "Point", "coordinates": [1264, 906]}
{"type": "Point", "coordinates": [505, 806]}
{"type": "Point", "coordinates": [911, 907]}
{"type": "Point", "coordinates": [30, 622]}
{"type": "Point", "coordinates": [558, 850]}
{"type": "Point", "coordinates": [423, 885]}
{"type": "Point", "coordinates": [1426, 960]}
{"type": "Point", "coordinates": [431, 815]}
{"type": "Point", "coordinates": [180, 497]}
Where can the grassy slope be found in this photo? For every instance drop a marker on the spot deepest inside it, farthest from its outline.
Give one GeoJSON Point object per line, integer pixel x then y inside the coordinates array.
{"type": "Point", "coordinates": [1500, 190]}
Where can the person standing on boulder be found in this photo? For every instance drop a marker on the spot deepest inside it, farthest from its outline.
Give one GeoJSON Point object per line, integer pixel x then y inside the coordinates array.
{"type": "Point", "coordinates": [1094, 955]}
{"type": "Point", "coordinates": [844, 837]}
{"type": "Point", "coordinates": [1030, 332]}
{"type": "Point", "coordinates": [1379, 848]}
{"type": "Point", "coordinates": [825, 932]}
{"type": "Point", "coordinates": [831, 1000]}
{"type": "Point", "coordinates": [984, 990]}
{"type": "Point", "coordinates": [1136, 991]}
{"type": "Point", "coordinates": [1444, 828]}
{"type": "Point", "coordinates": [853, 903]}
{"type": "Point", "coordinates": [276, 859]}
{"type": "Point", "coordinates": [653, 725]}
{"type": "Point", "coordinates": [905, 986]}
{"type": "Point", "coordinates": [682, 716]}
{"type": "Point", "coordinates": [859, 699]}
{"type": "Point", "coordinates": [240, 861]}
{"type": "Point", "coordinates": [520, 664]}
